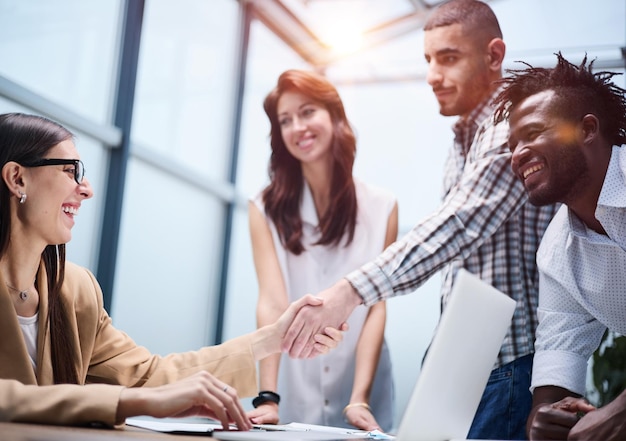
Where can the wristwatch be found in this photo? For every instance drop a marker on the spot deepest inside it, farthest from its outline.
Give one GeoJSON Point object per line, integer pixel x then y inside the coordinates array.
{"type": "Point", "coordinates": [265, 396]}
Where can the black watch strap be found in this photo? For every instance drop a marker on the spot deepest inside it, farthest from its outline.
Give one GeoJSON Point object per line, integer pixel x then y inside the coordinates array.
{"type": "Point", "coordinates": [265, 396]}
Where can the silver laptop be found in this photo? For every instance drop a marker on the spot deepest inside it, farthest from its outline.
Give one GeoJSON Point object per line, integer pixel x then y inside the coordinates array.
{"type": "Point", "coordinates": [454, 373]}
{"type": "Point", "coordinates": [458, 363]}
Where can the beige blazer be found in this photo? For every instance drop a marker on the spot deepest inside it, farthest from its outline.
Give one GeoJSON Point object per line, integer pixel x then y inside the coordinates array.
{"type": "Point", "coordinates": [108, 360]}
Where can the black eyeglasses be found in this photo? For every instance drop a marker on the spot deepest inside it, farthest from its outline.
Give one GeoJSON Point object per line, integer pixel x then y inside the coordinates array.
{"type": "Point", "coordinates": [79, 168]}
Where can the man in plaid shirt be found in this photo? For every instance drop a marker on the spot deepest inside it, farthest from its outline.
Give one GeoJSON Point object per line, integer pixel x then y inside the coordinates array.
{"type": "Point", "coordinates": [485, 223]}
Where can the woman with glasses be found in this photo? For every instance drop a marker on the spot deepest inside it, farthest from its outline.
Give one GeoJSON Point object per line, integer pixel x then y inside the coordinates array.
{"type": "Point", "coordinates": [61, 360]}
{"type": "Point", "coordinates": [311, 225]}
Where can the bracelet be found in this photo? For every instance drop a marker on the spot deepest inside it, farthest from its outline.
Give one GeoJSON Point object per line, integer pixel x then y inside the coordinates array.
{"type": "Point", "coordinates": [264, 397]}
{"type": "Point", "coordinates": [349, 406]}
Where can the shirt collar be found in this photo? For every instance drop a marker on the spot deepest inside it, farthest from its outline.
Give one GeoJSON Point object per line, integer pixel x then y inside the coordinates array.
{"type": "Point", "coordinates": [465, 128]}
{"type": "Point", "coordinates": [612, 193]}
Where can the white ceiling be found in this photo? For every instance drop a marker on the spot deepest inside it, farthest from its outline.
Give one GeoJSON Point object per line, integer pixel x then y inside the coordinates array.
{"type": "Point", "coordinates": [391, 37]}
{"type": "Point", "coordinates": [305, 24]}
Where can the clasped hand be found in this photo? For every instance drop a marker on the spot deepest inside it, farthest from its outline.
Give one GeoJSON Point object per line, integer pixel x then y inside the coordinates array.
{"type": "Point", "coordinates": [339, 302]}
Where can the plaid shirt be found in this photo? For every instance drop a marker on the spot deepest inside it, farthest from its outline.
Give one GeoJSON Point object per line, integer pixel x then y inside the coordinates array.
{"type": "Point", "coordinates": [484, 225]}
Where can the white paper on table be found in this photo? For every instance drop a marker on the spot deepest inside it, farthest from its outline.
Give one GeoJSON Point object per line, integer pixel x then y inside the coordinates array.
{"type": "Point", "coordinates": [187, 426]}
{"type": "Point", "coordinates": [181, 426]}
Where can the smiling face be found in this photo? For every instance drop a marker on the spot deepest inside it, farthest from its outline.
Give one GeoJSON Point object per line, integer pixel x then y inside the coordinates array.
{"type": "Point", "coordinates": [53, 197]}
{"type": "Point", "coordinates": [306, 127]}
{"type": "Point", "coordinates": [458, 69]}
{"type": "Point", "coordinates": [547, 151]}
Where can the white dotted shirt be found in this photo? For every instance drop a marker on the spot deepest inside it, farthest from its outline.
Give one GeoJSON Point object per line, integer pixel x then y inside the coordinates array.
{"type": "Point", "coordinates": [582, 285]}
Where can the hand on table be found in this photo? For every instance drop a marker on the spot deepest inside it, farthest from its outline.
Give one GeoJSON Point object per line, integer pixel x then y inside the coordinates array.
{"type": "Point", "coordinates": [201, 394]}
{"type": "Point", "coordinates": [266, 413]}
{"type": "Point", "coordinates": [361, 417]}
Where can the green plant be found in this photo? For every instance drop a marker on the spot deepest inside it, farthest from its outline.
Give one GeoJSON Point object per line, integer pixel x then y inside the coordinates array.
{"type": "Point", "coordinates": [609, 368]}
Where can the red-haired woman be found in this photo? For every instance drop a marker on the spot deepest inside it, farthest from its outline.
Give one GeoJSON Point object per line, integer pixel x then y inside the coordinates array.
{"type": "Point", "coordinates": [311, 225]}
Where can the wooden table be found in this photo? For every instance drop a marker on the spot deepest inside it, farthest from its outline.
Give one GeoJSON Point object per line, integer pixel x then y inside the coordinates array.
{"type": "Point", "coordinates": [40, 432]}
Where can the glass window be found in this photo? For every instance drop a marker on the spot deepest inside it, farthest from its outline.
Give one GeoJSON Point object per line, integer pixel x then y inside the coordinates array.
{"type": "Point", "coordinates": [64, 50]}
{"type": "Point", "coordinates": [186, 82]}
{"type": "Point", "coordinates": [168, 266]}
{"type": "Point", "coordinates": [171, 238]}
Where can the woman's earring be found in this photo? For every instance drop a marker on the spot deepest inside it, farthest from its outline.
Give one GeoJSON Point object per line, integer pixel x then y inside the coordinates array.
{"type": "Point", "coordinates": [22, 197]}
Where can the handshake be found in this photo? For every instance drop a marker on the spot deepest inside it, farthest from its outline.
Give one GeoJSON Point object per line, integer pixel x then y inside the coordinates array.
{"type": "Point", "coordinates": [313, 325]}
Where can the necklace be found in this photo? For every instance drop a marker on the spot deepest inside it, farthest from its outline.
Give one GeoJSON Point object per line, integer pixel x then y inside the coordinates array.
{"type": "Point", "coordinates": [23, 294]}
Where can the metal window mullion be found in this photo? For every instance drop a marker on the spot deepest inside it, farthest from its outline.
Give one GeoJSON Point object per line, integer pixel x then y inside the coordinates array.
{"type": "Point", "coordinates": [118, 161]}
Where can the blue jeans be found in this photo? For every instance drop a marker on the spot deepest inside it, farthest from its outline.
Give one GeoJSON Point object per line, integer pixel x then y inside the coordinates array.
{"type": "Point", "coordinates": [506, 403]}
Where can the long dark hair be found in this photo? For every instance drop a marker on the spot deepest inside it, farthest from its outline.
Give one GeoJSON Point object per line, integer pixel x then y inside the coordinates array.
{"type": "Point", "coordinates": [25, 138]}
{"type": "Point", "coordinates": [283, 195]}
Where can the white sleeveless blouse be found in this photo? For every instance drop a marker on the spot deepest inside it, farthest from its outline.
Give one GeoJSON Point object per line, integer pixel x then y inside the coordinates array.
{"type": "Point", "coordinates": [315, 391]}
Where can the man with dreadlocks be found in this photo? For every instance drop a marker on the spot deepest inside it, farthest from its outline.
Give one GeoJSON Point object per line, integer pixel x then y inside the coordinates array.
{"type": "Point", "coordinates": [567, 130]}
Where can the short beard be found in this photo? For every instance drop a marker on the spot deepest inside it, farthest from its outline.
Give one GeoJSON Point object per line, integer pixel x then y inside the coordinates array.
{"type": "Point", "coordinates": [568, 179]}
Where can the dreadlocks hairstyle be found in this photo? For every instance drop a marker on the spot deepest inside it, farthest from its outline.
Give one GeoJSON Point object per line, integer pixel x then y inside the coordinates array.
{"type": "Point", "coordinates": [578, 91]}
{"type": "Point", "coordinates": [282, 196]}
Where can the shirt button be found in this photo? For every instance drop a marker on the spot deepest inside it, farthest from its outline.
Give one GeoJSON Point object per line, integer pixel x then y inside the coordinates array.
{"type": "Point", "coordinates": [326, 368]}
{"type": "Point", "coordinates": [326, 402]}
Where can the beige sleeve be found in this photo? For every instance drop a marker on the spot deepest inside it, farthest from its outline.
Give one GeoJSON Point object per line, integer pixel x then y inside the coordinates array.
{"type": "Point", "coordinates": [58, 404]}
